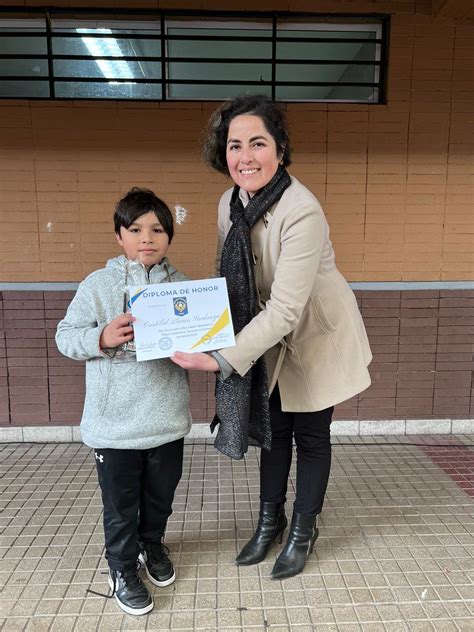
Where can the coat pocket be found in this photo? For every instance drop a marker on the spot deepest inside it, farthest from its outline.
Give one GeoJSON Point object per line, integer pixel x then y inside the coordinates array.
{"type": "Point", "coordinates": [314, 322]}
{"type": "Point", "coordinates": [321, 315]}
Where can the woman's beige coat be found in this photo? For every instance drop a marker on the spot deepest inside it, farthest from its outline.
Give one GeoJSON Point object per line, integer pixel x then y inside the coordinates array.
{"type": "Point", "coordinates": [309, 326]}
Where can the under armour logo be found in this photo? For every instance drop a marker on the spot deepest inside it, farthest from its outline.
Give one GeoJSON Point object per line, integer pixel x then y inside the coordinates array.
{"type": "Point", "coordinates": [99, 457]}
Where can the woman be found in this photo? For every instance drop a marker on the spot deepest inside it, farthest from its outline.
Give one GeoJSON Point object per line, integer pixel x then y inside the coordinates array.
{"type": "Point", "coordinates": [300, 336]}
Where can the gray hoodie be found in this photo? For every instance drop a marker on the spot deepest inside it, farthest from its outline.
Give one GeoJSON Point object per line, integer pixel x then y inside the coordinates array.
{"type": "Point", "coordinates": [128, 405]}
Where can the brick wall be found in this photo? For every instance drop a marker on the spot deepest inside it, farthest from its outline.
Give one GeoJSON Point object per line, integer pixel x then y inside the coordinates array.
{"type": "Point", "coordinates": [422, 344]}
{"type": "Point", "coordinates": [39, 386]}
{"type": "Point", "coordinates": [396, 180]}
{"type": "Point", "coordinates": [396, 183]}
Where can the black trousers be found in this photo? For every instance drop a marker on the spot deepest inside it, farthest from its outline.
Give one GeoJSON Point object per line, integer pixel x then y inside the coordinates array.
{"type": "Point", "coordinates": [313, 457]}
{"type": "Point", "coordinates": [138, 488]}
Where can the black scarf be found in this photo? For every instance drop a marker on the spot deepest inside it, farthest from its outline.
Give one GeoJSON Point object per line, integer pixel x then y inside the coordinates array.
{"type": "Point", "coordinates": [242, 408]}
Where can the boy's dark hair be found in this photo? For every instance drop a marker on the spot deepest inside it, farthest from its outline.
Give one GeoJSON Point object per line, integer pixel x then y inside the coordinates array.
{"type": "Point", "coordinates": [272, 115]}
{"type": "Point", "coordinates": [138, 202]}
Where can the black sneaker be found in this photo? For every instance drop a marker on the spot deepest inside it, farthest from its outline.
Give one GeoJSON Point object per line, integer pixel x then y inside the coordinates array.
{"type": "Point", "coordinates": [130, 592]}
{"type": "Point", "coordinates": [158, 566]}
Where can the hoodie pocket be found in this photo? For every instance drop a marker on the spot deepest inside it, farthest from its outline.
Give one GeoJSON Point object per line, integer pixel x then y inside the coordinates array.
{"type": "Point", "coordinates": [105, 395]}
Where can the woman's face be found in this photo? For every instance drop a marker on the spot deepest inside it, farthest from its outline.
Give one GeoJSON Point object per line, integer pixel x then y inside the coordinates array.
{"type": "Point", "coordinates": [251, 153]}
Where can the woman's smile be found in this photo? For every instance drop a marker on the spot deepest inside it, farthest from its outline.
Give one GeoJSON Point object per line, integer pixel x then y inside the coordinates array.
{"type": "Point", "coordinates": [251, 153]}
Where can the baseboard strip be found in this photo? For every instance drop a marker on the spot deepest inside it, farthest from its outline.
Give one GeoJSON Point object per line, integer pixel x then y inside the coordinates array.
{"type": "Point", "coordinates": [72, 434]}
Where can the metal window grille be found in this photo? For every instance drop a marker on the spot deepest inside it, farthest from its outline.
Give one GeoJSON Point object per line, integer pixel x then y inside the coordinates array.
{"type": "Point", "coordinates": [184, 55]}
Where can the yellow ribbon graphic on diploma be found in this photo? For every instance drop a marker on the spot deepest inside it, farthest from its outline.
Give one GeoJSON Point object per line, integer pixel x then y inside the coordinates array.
{"type": "Point", "coordinates": [220, 323]}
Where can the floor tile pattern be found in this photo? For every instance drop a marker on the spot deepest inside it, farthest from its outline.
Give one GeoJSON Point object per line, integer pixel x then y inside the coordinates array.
{"type": "Point", "coordinates": [454, 458]}
{"type": "Point", "coordinates": [395, 552]}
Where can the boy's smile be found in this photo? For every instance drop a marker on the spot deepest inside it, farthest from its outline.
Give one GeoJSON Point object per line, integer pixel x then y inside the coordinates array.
{"type": "Point", "coordinates": [145, 240]}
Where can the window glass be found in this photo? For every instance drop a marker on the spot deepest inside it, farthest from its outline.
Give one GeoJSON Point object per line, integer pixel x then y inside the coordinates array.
{"type": "Point", "coordinates": [214, 92]}
{"type": "Point", "coordinates": [106, 46]}
{"type": "Point", "coordinates": [112, 69]}
{"type": "Point", "coordinates": [12, 43]}
{"type": "Point", "coordinates": [327, 93]}
{"type": "Point", "coordinates": [24, 67]}
{"type": "Point", "coordinates": [245, 49]}
{"type": "Point", "coordinates": [239, 50]}
{"type": "Point", "coordinates": [24, 89]}
{"type": "Point", "coordinates": [207, 70]}
{"type": "Point", "coordinates": [107, 90]}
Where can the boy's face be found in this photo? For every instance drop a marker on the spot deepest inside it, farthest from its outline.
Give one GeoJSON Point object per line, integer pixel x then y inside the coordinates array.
{"type": "Point", "coordinates": [145, 240]}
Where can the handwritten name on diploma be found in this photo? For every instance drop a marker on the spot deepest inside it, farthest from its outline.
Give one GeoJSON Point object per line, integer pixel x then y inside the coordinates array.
{"type": "Point", "coordinates": [176, 317]}
{"type": "Point", "coordinates": [173, 321]}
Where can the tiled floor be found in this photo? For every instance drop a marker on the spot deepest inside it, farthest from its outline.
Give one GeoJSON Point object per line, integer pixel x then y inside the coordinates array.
{"type": "Point", "coordinates": [395, 551]}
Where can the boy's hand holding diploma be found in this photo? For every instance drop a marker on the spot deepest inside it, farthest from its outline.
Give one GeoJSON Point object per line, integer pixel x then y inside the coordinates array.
{"type": "Point", "coordinates": [117, 332]}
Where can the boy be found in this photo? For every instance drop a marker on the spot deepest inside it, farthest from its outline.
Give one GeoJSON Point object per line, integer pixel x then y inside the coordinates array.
{"type": "Point", "coordinates": [136, 414]}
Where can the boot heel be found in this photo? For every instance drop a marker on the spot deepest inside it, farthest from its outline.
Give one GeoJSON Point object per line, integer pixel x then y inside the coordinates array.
{"type": "Point", "coordinates": [279, 534]}
{"type": "Point", "coordinates": [313, 540]}
{"type": "Point", "coordinates": [271, 524]}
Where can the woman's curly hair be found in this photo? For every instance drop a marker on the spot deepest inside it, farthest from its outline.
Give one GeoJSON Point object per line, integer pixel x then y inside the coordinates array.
{"type": "Point", "coordinates": [272, 115]}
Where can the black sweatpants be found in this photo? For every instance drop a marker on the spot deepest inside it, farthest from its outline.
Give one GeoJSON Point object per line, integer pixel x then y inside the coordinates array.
{"type": "Point", "coordinates": [313, 457]}
{"type": "Point", "coordinates": [138, 488]}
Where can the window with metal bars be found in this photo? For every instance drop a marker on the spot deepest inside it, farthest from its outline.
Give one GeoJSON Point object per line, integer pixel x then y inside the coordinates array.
{"type": "Point", "coordinates": [68, 54]}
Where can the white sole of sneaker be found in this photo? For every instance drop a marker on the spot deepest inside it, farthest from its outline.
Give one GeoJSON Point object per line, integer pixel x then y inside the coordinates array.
{"type": "Point", "coordinates": [156, 582]}
{"type": "Point", "coordinates": [127, 609]}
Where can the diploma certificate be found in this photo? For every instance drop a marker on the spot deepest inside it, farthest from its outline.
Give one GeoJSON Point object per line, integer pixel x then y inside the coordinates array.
{"type": "Point", "coordinates": [185, 316]}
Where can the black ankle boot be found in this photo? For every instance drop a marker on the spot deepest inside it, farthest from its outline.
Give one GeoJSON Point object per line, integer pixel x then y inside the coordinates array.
{"type": "Point", "coordinates": [299, 546]}
{"type": "Point", "coordinates": [271, 524]}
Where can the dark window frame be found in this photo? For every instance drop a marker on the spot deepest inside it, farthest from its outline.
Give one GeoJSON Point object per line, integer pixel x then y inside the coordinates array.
{"type": "Point", "coordinates": [160, 16]}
